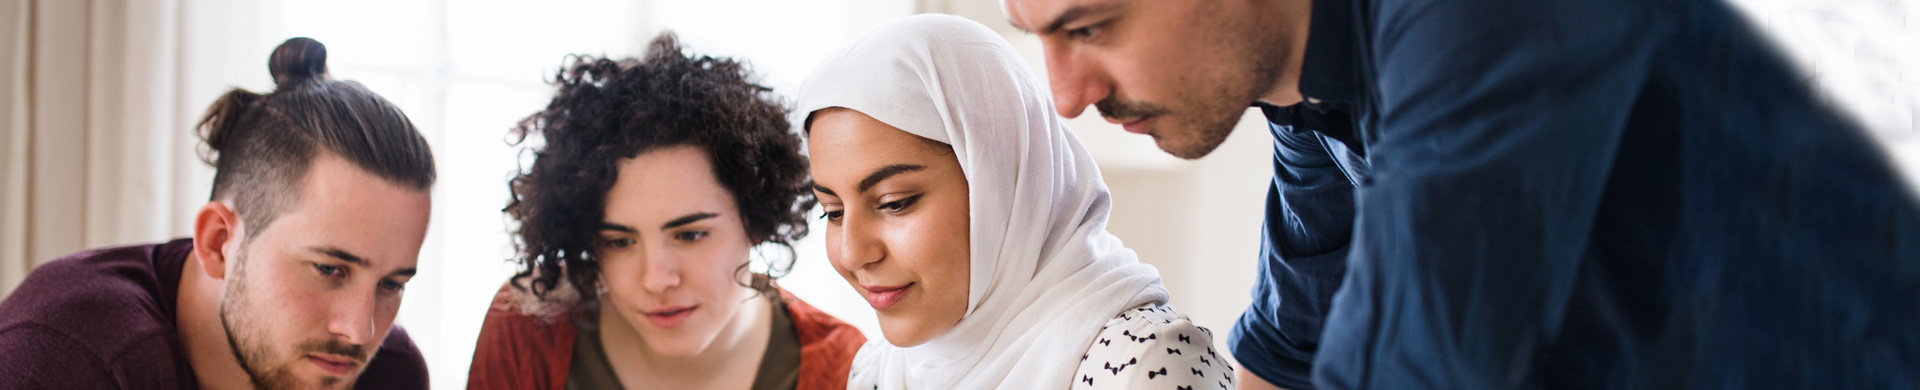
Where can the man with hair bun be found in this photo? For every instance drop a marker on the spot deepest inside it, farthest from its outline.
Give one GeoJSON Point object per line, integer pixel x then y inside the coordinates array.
{"type": "Point", "coordinates": [294, 272]}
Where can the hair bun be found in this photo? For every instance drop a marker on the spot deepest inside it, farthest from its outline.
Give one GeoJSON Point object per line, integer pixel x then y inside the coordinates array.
{"type": "Point", "coordinates": [297, 60]}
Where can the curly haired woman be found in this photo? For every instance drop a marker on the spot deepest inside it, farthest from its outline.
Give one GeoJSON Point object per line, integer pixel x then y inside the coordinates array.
{"type": "Point", "coordinates": [653, 181]}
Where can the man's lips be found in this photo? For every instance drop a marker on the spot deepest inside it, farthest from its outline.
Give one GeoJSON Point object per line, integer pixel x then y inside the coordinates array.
{"type": "Point", "coordinates": [882, 297]}
{"type": "Point", "coordinates": [333, 364]}
{"type": "Point", "coordinates": [671, 316]}
{"type": "Point", "coordinates": [1136, 125]}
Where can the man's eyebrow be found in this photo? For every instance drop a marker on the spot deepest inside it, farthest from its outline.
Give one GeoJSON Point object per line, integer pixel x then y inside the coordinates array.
{"type": "Point", "coordinates": [1072, 14]}
{"type": "Point", "coordinates": [689, 218]}
{"type": "Point", "coordinates": [341, 254]}
{"type": "Point", "coordinates": [884, 173]}
{"type": "Point", "coordinates": [349, 257]}
{"type": "Point", "coordinates": [617, 227]}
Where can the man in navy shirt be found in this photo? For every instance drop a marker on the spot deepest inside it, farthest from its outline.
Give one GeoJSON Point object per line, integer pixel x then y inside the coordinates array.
{"type": "Point", "coordinates": [1495, 194]}
{"type": "Point", "coordinates": [292, 277]}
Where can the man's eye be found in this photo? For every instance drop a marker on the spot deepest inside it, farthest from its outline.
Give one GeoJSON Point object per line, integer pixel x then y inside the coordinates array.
{"type": "Point", "coordinates": [690, 236]}
{"type": "Point", "coordinates": [327, 270]}
{"type": "Point", "coordinates": [1083, 32]}
{"type": "Point", "coordinates": [392, 286]}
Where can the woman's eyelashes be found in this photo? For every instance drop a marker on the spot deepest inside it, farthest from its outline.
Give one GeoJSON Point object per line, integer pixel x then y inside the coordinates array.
{"type": "Point", "coordinates": [896, 207]}
{"type": "Point", "coordinates": [683, 236]}
{"type": "Point", "coordinates": [893, 207]}
{"type": "Point", "coordinates": [615, 243]}
{"type": "Point", "coordinates": [690, 236]}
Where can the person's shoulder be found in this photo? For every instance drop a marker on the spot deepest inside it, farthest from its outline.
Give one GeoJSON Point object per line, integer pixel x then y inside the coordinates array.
{"type": "Point", "coordinates": [525, 342]}
{"type": "Point", "coordinates": [39, 357]}
{"type": "Point", "coordinates": [100, 303]}
{"type": "Point", "coordinates": [1152, 345]}
{"type": "Point", "coordinates": [521, 315]}
{"type": "Point", "coordinates": [864, 371]}
{"type": "Point", "coordinates": [397, 365]}
{"type": "Point", "coordinates": [85, 283]}
{"type": "Point", "coordinates": [815, 327]}
{"type": "Point", "coordinates": [827, 345]}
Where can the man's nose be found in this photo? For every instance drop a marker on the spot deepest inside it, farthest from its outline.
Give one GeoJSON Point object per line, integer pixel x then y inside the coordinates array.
{"type": "Point", "coordinates": [352, 321]}
{"type": "Point", "coordinates": [1076, 83]}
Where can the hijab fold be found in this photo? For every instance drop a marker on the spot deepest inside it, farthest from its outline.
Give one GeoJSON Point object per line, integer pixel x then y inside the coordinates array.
{"type": "Point", "coordinates": [1045, 274]}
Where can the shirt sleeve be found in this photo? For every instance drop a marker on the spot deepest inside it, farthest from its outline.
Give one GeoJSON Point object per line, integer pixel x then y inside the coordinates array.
{"type": "Point", "coordinates": [1309, 225]}
{"type": "Point", "coordinates": [1171, 353]}
{"type": "Point", "coordinates": [1498, 122]}
{"type": "Point", "coordinates": [39, 358]}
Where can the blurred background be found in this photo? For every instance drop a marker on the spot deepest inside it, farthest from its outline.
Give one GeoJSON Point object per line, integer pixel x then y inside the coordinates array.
{"type": "Point", "coordinates": [98, 100]}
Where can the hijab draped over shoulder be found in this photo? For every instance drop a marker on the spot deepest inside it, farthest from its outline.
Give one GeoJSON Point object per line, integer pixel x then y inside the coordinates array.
{"type": "Point", "coordinates": [1046, 275]}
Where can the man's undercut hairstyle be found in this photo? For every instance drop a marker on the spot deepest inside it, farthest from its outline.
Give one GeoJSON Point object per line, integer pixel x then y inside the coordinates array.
{"type": "Point", "coordinates": [262, 145]}
{"type": "Point", "coordinates": [605, 111]}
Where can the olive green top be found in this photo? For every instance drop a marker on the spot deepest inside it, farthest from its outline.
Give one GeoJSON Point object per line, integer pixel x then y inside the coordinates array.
{"type": "Point", "coordinates": [779, 368]}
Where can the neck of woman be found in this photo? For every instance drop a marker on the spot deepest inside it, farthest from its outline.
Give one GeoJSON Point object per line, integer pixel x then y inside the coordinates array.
{"type": "Point", "coordinates": [734, 354]}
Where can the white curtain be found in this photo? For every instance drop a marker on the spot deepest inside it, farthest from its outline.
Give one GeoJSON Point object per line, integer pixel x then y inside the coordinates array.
{"type": "Point", "coordinates": [96, 115]}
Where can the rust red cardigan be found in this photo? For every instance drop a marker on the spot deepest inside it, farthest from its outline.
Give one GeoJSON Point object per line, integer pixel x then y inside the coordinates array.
{"type": "Point", "coordinates": [520, 351]}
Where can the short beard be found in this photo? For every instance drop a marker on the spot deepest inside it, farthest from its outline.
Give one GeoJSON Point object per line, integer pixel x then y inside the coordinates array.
{"type": "Point", "coordinates": [253, 354]}
{"type": "Point", "coordinates": [1193, 135]}
{"type": "Point", "coordinates": [1221, 107]}
{"type": "Point", "coordinates": [1211, 110]}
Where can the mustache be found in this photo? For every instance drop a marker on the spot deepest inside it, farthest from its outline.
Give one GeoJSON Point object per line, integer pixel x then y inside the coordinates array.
{"type": "Point", "coordinates": [352, 351]}
{"type": "Point", "coordinates": [1117, 110]}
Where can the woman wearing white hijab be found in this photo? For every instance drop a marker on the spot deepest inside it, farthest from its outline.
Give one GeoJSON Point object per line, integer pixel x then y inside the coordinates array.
{"type": "Point", "coordinates": [975, 224]}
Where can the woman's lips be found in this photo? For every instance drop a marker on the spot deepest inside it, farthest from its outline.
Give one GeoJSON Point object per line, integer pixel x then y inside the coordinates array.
{"type": "Point", "coordinates": [882, 297]}
{"type": "Point", "coordinates": [332, 364]}
{"type": "Point", "coordinates": [667, 318]}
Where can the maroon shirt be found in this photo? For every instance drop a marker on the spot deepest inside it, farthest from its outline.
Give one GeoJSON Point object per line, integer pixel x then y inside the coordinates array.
{"type": "Point", "coordinates": [104, 319]}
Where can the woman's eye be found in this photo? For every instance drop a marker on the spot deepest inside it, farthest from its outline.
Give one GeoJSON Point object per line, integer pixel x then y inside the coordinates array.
{"type": "Point", "coordinates": [617, 243]}
{"type": "Point", "coordinates": [896, 206]}
{"type": "Point", "coordinates": [327, 270]}
{"type": "Point", "coordinates": [832, 216]}
{"type": "Point", "coordinates": [690, 236]}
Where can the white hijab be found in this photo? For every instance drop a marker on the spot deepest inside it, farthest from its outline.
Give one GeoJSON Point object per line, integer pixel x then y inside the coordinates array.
{"type": "Point", "coordinates": [1046, 275]}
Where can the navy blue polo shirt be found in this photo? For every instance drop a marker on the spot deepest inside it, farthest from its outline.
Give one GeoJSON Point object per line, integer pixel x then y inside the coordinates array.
{"type": "Point", "coordinates": [1496, 194]}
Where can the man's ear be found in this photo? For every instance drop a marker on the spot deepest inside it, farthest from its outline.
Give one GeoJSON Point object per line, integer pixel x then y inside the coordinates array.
{"type": "Point", "coordinates": [215, 227]}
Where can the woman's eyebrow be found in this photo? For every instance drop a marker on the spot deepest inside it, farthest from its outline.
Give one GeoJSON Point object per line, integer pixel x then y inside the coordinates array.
{"type": "Point", "coordinates": [883, 173]}
{"type": "Point", "coordinates": [689, 218]}
{"type": "Point", "coordinates": [617, 227]}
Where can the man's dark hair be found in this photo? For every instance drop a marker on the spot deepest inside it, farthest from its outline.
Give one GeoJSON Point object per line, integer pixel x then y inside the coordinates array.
{"type": "Point", "coordinates": [261, 146]}
{"type": "Point", "coordinates": [606, 110]}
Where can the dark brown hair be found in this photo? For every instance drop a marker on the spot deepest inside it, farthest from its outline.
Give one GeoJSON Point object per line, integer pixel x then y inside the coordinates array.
{"type": "Point", "coordinates": [262, 145]}
{"type": "Point", "coordinates": [606, 110]}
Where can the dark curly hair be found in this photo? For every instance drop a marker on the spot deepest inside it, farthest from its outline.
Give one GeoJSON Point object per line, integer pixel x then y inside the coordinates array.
{"type": "Point", "coordinates": [606, 110]}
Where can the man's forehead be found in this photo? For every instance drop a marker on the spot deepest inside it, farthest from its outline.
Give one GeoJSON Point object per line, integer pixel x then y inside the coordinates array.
{"type": "Point", "coordinates": [346, 208]}
{"type": "Point", "coordinates": [1044, 16]}
{"type": "Point", "coordinates": [1027, 15]}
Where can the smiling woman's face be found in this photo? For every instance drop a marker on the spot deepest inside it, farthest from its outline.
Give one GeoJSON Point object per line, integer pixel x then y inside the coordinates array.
{"type": "Point", "coordinates": [668, 249]}
{"type": "Point", "coordinates": [896, 209]}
